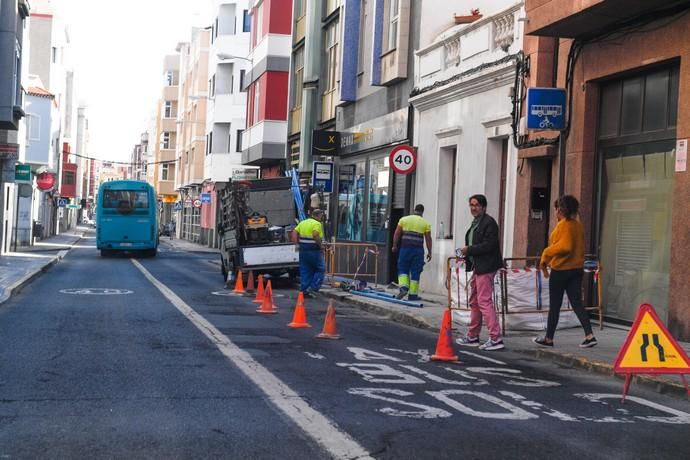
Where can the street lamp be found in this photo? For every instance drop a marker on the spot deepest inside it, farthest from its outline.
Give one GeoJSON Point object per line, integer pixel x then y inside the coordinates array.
{"type": "Point", "coordinates": [227, 57]}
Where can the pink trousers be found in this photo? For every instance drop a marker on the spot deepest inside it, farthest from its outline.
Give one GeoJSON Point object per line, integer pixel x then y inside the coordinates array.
{"type": "Point", "coordinates": [482, 306]}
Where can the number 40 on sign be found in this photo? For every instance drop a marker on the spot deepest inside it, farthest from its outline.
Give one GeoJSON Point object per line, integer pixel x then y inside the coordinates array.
{"type": "Point", "coordinates": [403, 159]}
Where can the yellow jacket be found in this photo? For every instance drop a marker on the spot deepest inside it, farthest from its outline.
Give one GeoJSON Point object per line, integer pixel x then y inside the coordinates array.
{"type": "Point", "coordinates": [566, 250]}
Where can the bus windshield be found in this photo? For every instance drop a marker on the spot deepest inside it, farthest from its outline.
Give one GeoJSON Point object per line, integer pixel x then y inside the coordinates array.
{"type": "Point", "coordinates": [126, 201]}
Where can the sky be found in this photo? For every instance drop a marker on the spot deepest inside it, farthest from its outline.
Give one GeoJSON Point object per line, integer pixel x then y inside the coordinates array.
{"type": "Point", "coordinates": [117, 54]}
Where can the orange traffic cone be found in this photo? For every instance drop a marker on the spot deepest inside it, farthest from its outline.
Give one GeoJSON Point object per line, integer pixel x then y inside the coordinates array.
{"type": "Point", "coordinates": [260, 291]}
{"type": "Point", "coordinates": [250, 282]}
{"type": "Point", "coordinates": [299, 319]}
{"type": "Point", "coordinates": [444, 347]}
{"type": "Point", "coordinates": [239, 285]}
{"type": "Point", "coordinates": [329, 328]}
{"type": "Point", "coordinates": [267, 305]}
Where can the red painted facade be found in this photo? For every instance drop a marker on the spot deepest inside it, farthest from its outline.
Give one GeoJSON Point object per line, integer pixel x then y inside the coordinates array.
{"type": "Point", "coordinates": [68, 187]}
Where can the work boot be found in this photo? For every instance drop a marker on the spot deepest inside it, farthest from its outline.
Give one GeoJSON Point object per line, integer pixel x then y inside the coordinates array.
{"type": "Point", "coordinates": [402, 293]}
{"type": "Point", "coordinates": [413, 297]}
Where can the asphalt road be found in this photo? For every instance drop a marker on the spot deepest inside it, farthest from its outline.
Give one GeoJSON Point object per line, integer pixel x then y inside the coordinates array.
{"type": "Point", "coordinates": [152, 358]}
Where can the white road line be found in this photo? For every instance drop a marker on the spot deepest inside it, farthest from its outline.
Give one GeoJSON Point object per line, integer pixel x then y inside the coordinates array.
{"type": "Point", "coordinates": [477, 355]}
{"type": "Point", "coordinates": [317, 426]}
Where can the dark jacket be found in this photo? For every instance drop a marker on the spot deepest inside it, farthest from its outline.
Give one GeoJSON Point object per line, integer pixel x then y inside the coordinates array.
{"type": "Point", "coordinates": [485, 248]}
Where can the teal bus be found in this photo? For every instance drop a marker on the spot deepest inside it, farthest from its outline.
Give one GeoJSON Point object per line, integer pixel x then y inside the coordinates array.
{"type": "Point", "coordinates": [126, 218]}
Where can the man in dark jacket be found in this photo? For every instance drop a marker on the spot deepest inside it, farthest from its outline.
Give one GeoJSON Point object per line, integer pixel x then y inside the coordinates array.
{"type": "Point", "coordinates": [482, 254]}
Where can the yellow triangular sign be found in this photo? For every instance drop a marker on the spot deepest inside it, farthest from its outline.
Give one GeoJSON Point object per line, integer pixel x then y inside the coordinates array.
{"type": "Point", "coordinates": [650, 348]}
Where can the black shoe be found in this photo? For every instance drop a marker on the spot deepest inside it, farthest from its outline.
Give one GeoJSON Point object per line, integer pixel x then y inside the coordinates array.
{"type": "Point", "coordinates": [589, 343]}
{"type": "Point", "coordinates": [413, 297]}
{"type": "Point", "coordinates": [542, 341]}
{"type": "Point", "coordinates": [309, 294]}
{"type": "Point", "coordinates": [401, 294]}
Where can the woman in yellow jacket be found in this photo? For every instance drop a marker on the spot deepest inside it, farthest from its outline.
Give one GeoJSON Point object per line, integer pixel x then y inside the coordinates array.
{"type": "Point", "coordinates": [566, 257]}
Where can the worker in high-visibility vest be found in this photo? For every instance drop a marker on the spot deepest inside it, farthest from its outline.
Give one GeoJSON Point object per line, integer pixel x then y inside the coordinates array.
{"type": "Point", "coordinates": [308, 235]}
{"type": "Point", "coordinates": [413, 230]}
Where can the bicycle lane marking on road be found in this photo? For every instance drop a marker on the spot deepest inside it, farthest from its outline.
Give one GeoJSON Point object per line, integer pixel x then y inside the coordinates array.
{"type": "Point", "coordinates": [317, 426]}
{"type": "Point", "coordinates": [389, 370]}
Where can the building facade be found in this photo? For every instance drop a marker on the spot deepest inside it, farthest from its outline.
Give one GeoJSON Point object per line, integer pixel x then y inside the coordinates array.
{"type": "Point", "coordinates": [626, 71]}
{"type": "Point", "coordinates": [264, 140]}
{"type": "Point", "coordinates": [462, 123]}
{"type": "Point", "coordinates": [191, 131]}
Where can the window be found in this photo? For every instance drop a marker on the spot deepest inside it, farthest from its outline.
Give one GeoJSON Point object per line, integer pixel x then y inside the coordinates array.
{"type": "Point", "coordinates": [246, 21]}
{"type": "Point", "coordinates": [165, 171]}
{"type": "Point", "coordinates": [257, 98]}
{"type": "Point", "coordinates": [300, 8]}
{"type": "Point", "coordinates": [34, 128]}
{"type": "Point", "coordinates": [351, 201]}
{"type": "Point", "coordinates": [212, 86]}
{"type": "Point", "coordinates": [240, 133]}
{"type": "Point", "coordinates": [299, 78]}
{"type": "Point", "coordinates": [166, 140]}
{"type": "Point", "coordinates": [259, 22]}
{"type": "Point", "coordinates": [168, 111]}
{"type": "Point", "coordinates": [331, 5]}
{"type": "Point", "coordinates": [68, 178]}
{"type": "Point", "coordinates": [363, 31]}
{"type": "Point", "coordinates": [242, 72]}
{"type": "Point", "coordinates": [377, 219]}
{"type": "Point", "coordinates": [169, 78]}
{"type": "Point", "coordinates": [53, 55]}
{"type": "Point", "coordinates": [332, 55]}
{"type": "Point", "coordinates": [16, 75]}
{"type": "Point", "coordinates": [446, 192]}
{"type": "Point", "coordinates": [394, 19]}
{"type": "Point", "coordinates": [209, 142]}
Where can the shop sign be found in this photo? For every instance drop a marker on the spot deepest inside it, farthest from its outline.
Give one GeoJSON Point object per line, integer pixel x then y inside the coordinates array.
{"type": "Point", "coordinates": [9, 151]}
{"type": "Point", "coordinates": [322, 176]}
{"type": "Point", "coordinates": [325, 142]}
{"type": "Point", "coordinates": [387, 129]}
{"type": "Point", "coordinates": [22, 172]}
{"type": "Point", "coordinates": [244, 173]}
{"type": "Point", "coordinates": [546, 108]}
{"type": "Point", "coordinates": [681, 155]}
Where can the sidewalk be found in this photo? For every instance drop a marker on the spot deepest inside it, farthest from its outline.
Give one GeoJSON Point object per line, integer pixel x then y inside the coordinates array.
{"type": "Point", "coordinates": [17, 269]}
{"type": "Point", "coordinates": [20, 268]}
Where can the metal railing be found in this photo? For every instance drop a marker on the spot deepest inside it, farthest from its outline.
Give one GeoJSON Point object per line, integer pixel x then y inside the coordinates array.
{"type": "Point", "coordinates": [352, 260]}
{"type": "Point", "coordinates": [530, 265]}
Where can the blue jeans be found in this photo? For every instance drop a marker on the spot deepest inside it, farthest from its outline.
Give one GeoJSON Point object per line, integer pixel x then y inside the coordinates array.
{"type": "Point", "coordinates": [411, 262]}
{"type": "Point", "coordinates": [311, 269]}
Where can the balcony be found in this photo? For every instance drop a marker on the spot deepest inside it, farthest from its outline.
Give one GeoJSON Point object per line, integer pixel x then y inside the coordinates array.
{"type": "Point", "coordinates": [465, 47]}
{"type": "Point", "coordinates": [568, 19]}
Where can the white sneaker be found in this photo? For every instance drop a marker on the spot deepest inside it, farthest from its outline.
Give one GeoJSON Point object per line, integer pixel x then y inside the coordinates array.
{"type": "Point", "coordinates": [468, 341]}
{"type": "Point", "coordinates": [490, 345]}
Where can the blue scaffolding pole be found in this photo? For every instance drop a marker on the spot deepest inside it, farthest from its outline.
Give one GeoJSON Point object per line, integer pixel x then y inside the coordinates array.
{"type": "Point", "coordinates": [297, 193]}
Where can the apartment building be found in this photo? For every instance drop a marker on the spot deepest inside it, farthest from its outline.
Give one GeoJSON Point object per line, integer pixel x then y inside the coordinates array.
{"type": "Point", "coordinates": [465, 69]}
{"type": "Point", "coordinates": [191, 131]}
{"type": "Point", "coordinates": [265, 138]}
{"type": "Point", "coordinates": [625, 67]}
{"type": "Point", "coordinates": [13, 15]}
{"type": "Point", "coordinates": [165, 132]}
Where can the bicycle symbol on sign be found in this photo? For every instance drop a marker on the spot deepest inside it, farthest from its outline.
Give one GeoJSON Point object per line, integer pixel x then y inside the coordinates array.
{"type": "Point", "coordinates": [546, 111]}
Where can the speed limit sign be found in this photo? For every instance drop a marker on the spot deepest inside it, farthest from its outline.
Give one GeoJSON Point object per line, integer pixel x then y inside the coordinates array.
{"type": "Point", "coordinates": [403, 159]}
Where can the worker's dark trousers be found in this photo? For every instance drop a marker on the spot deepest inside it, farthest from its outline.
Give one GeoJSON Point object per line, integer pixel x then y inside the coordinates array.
{"type": "Point", "coordinates": [311, 269]}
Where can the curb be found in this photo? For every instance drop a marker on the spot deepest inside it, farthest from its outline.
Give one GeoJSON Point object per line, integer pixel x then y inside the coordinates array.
{"type": "Point", "coordinates": [20, 284]}
{"type": "Point", "coordinates": [660, 385]}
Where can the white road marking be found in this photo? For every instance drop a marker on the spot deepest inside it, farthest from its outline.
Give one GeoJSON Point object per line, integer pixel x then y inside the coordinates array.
{"type": "Point", "coordinates": [96, 291]}
{"type": "Point", "coordinates": [512, 412]}
{"type": "Point", "coordinates": [318, 427]}
{"type": "Point", "coordinates": [381, 373]}
{"type": "Point", "coordinates": [485, 358]}
{"type": "Point", "coordinates": [679, 418]}
{"type": "Point", "coordinates": [423, 412]}
{"type": "Point", "coordinates": [315, 355]}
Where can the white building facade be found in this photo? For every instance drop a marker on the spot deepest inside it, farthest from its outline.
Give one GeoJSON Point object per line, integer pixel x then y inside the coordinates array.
{"type": "Point", "coordinates": [462, 129]}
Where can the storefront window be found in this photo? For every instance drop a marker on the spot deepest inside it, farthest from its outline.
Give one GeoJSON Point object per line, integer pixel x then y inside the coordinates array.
{"type": "Point", "coordinates": [377, 219]}
{"type": "Point", "coordinates": [351, 186]}
{"type": "Point", "coordinates": [637, 196]}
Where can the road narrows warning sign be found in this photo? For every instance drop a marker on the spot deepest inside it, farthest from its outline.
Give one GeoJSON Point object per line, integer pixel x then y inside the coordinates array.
{"type": "Point", "coordinates": [649, 348]}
